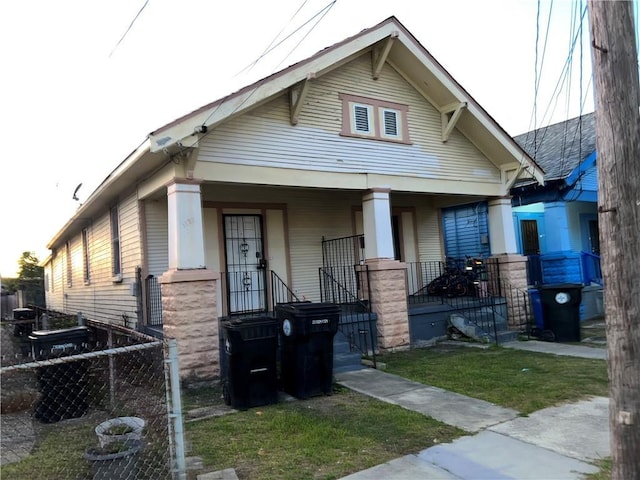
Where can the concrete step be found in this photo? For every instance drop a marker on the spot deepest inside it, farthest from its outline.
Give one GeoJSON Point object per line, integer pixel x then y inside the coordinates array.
{"type": "Point", "coordinates": [341, 346]}
{"type": "Point", "coordinates": [507, 336]}
{"type": "Point", "coordinates": [346, 362]}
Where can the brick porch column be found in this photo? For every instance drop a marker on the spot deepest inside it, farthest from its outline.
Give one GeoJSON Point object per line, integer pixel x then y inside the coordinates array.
{"type": "Point", "coordinates": [512, 269]}
{"type": "Point", "coordinates": [190, 315]}
{"type": "Point", "coordinates": [387, 283]}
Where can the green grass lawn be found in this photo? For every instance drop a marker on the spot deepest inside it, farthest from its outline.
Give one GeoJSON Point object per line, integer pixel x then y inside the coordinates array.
{"type": "Point", "coordinates": [324, 437]}
{"type": "Point", "coordinates": [524, 381]}
{"type": "Point", "coordinates": [329, 437]}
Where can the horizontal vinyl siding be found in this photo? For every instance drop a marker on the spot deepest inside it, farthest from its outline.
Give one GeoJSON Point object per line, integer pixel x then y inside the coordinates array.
{"type": "Point", "coordinates": [264, 137]}
{"type": "Point", "coordinates": [589, 180]}
{"type": "Point", "coordinates": [130, 239]}
{"type": "Point", "coordinates": [157, 222]}
{"type": "Point", "coordinates": [310, 218]}
{"type": "Point", "coordinates": [310, 215]}
{"type": "Point", "coordinates": [102, 299]}
{"type": "Point", "coordinates": [55, 295]}
{"type": "Point", "coordinates": [428, 226]}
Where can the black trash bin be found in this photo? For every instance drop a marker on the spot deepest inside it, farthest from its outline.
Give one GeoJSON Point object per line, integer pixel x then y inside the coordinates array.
{"type": "Point", "coordinates": [249, 374]}
{"type": "Point", "coordinates": [24, 319]}
{"type": "Point", "coordinates": [561, 311]}
{"type": "Point", "coordinates": [64, 386]}
{"type": "Point", "coordinates": [307, 330]}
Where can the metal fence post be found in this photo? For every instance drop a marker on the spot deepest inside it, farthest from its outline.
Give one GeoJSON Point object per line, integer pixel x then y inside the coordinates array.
{"type": "Point", "coordinates": [174, 405]}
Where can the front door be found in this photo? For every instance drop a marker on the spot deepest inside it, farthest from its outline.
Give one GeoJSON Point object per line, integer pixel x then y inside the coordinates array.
{"type": "Point", "coordinates": [530, 237]}
{"type": "Point", "coordinates": [246, 264]}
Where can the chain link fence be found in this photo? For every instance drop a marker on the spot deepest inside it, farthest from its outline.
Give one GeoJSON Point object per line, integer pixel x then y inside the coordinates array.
{"type": "Point", "coordinates": [86, 402]}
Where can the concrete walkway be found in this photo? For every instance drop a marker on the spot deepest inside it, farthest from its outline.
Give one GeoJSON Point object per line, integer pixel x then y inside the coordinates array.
{"type": "Point", "coordinates": [559, 349]}
{"type": "Point", "coordinates": [553, 443]}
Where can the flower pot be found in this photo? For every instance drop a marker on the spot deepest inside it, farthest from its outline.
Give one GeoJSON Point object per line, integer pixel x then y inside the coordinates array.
{"type": "Point", "coordinates": [119, 429]}
{"type": "Point", "coordinates": [119, 459]}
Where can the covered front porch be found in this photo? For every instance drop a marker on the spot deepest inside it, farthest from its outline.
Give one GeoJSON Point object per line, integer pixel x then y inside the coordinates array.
{"type": "Point", "coordinates": [372, 252]}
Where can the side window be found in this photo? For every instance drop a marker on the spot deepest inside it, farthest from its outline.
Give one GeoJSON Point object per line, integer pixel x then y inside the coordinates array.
{"type": "Point", "coordinates": [85, 256]}
{"type": "Point", "coordinates": [116, 268]}
{"type": "Point", "coordinates": [67, 254]}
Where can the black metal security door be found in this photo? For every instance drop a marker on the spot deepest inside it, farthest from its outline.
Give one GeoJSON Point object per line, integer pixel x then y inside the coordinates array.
{"type": "Point", "coordinates": [530, 237]}
{"type": "Point", "coordinates": [246, 265]}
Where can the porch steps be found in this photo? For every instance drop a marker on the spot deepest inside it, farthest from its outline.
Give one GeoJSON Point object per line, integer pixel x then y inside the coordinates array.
{"type": "Point", "coordinates": [481, 320]}
{"type": "Point", "coordinates": [344, 359]}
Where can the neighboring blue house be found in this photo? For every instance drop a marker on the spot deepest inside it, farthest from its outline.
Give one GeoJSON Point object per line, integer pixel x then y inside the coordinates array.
{"type": "Point", "coordinates": [557, 224]}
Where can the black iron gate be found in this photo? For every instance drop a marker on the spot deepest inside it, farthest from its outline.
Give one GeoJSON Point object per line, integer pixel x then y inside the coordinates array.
{"type": "Point", "coordinates": [344, 280]}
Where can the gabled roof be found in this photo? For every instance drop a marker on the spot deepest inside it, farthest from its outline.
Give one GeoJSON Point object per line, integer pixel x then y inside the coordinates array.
{"type": "Point", "coordinates": [560, 148]}
{"type": "Point", "coordinates": [391, 40]}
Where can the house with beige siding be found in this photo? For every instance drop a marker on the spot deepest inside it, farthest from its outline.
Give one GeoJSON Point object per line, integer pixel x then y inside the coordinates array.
{"type": "Point", "coordinates": [240, 204]}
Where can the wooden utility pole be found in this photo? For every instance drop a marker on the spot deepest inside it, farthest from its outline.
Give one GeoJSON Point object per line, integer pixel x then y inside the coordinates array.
{"type": "Point", "coordinates": [617, 88]}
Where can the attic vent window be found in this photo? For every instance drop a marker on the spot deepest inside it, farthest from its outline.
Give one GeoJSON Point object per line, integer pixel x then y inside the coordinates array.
{"type": "Point", "coordinates": [375, 119]}
{"type": "Point", "coordinates": [390, 123]}
{"type": "Point", "coordinates": [361, 118]}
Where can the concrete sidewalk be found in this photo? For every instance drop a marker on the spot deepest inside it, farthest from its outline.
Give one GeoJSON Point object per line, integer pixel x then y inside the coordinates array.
{"type": "Point", "coordinates": [553, 443]}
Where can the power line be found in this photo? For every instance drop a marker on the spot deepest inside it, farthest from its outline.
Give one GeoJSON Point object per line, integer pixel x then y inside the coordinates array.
{"type": "Point", "coordinates": [320, 13]}
{"type": "Point", "coordinates": [129, 28]}
{"type": "Point", "coordinates": [267, 50]}
{"type": "Point", "coordinates": [326, 10]}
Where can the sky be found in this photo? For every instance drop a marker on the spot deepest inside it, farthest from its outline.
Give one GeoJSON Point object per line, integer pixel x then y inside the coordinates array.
{"type": "Point", "coordinates": [79, 94]}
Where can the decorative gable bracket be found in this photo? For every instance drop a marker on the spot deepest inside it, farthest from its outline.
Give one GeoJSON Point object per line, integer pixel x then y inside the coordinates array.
{"type": "Point", "coordinates": [379, 55]}
{"type": "Point", "coordinates": [186, 155]}
{"type": "Point", "coordinates": [450, 116]}
{"type": "Point", "coordinates": [297, 95]}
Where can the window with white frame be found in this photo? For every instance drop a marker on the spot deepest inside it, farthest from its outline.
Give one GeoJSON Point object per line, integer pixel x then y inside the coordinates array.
{"type": "Point", "coordinates": [85, 255]}
{"type": "Point", "coordinates": [362, 116]}
{"type": "Point", "coordinates": [67, 253]}
{"type": "Point", "coordinates": [116, 268]}
{"type": "Point", "coordinates": [376, 119]}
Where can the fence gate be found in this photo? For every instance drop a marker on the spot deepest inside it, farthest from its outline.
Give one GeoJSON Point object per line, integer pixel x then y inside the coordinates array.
{"type": "Point", "coordinates": [344, 280]}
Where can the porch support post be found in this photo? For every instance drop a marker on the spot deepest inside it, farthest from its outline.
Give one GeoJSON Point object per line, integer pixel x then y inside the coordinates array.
{"type": "Point", "coordinates": [387, 277]}
{"type": "Point", "coordinates": [556, 227]}
{"type": "Point", "coordinates": [186, 235]}
{"type": "Point", "coordinates": [376, 216]}
{"type": "Point", "coordinates": [509, 276]}
{"type": "Point", "coordinates": [501, 230]}
{"type": "Point", "coordinates": [189, 290]}
{"type": "Point", "coordinates": [387, 284]}
{"type": "Point", "coordinates": [190, 315]}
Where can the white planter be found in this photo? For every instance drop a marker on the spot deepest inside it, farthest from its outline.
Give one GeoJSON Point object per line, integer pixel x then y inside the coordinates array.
{"type": "Point", "coordinates": [135, 424]}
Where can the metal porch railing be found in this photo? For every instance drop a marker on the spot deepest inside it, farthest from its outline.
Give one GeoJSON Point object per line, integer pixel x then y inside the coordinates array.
{"type": "Point", "coordinates": [591, 269]}
{"type": "Point", "coordinates": [487, 301]}
{"type": "Point", "coordinates": [357, 322]}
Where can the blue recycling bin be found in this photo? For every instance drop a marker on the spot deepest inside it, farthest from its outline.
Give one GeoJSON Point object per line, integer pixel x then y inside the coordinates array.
{"type": "Point", "coordinates": [536, 307]}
